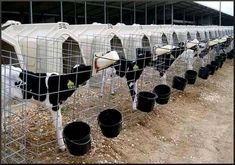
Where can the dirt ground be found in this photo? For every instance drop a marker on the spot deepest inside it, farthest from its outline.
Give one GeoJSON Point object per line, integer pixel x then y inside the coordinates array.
{"type": "Point", "coordinates": [196, 126]}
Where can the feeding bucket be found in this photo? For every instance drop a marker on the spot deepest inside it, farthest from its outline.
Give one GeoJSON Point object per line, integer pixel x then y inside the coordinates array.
{"type": "Point", "coordinates": [216, 63]}
{"type": "Point", "coordinates": [146, 101]}
{"type": "Point", "coordinates": [230, 54]}
{"type": "Point", "coordinates": [163, 93]}
{"type": "Point", "coordinates": [76, 136]}
{"type": "Point", "coordinates": [179, 83]}
{"type": "Point", "coordinates": [224, 56]}
{"type": "Point", "coordinates": [203, 73]}
{"type": "Point", "coordinates": [110, 122]}
{"type": "Point", "coordinates": [220, 60]}
{"type": "Point", "coordinates": [191, 76]}
{"type": "Point", "coordinates": [211, 68]}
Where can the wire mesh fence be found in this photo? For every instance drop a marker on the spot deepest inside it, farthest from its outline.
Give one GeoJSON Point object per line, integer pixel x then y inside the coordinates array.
{"type": "Point", "coordinates": [63, 74]}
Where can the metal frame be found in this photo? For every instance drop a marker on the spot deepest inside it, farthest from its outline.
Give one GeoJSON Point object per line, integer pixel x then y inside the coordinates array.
{"type": "Point", "coordinates": [189, 6]}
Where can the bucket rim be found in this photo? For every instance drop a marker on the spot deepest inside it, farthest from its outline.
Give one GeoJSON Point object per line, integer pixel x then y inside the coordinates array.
{"type": "Point", "coordinates": [192, 71]}
{"type": "Point", "coordinates": [162, 85]}
{"type": "Point", "coordinates": [74, 142]}
{"type": "Point", "coordinates": [204, 68]}
{"type": "Point", "coordinates": [89, 130]}
{"type": "Point", "coordinates": [180, 78]}
{"type": "Point", "coordinates": [112, 109]}
{"type": "Point", "coordinates": [105, 125]}
{"type": "Point", "coordinates": [155, 95]}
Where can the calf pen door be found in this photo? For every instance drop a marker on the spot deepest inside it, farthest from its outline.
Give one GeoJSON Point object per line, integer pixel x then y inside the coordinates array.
{"type": "Point", "coordinates": [206, 36]}
{"type": "Point", "coordinates": [210, 35]}
{"type": "Point", "coordinates": [198, 36]}
{"type": "Point", "coordinates": [116, 44]}
{"type": "Point", "coordinates": [175, 39]}
{"type": "Point", "coordinates": [164, 40]}
{"type": "Point", "coordinates": [189, 38]}
{"type": "Point", "coordinates": [71, 54]}
{"type": "Point", "coordinates": [9, 54]}
{"type": "Point", "coordinates": [145, 42]}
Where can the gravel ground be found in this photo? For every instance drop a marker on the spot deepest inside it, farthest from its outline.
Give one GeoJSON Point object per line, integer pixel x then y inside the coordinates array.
{"type": "Point", "coordinates": [196, 126]}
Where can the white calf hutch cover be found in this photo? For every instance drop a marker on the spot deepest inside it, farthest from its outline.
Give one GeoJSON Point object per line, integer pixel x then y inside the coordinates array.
{"type": "Point", "coordinates": [93, 38]}
{"type": "Point", "coordinates": [132, 37]}
{"type": "Point", "coordinates": [46, 46]}
{"type": "Point", "coordinates": [10, 46]}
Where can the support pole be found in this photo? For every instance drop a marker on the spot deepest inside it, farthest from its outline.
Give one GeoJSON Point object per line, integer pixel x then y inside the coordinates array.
{"type": "Point", "coordinates": [219, 13]}
{"type": "Point", "coordinates": [172, 14]}
{"type": "Point", "coordinates": [61, 11]}
{"type": "Point", "coordinates": [121, 11]}
{"type": "Point", "coordinates": [164, 14]}
{"type": "Point", "coordinates": [105, 12]}
{"type": "Point", "coordinates": [134, 14]}
{"type": "Point", "coordinates": [146, 13]}
{"type": "Point", "coordinates": [155, 13]}
{"type": "Point", "coordinates": [75, 12]}
{"type": "Point", "coordinates": [85, 12]}
{"type": "Point", "coordinates": [31, 11]}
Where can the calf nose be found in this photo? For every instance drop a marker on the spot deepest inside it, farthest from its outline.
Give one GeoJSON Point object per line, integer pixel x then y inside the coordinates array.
{"type": "Point", "coordinates": [83, 83]}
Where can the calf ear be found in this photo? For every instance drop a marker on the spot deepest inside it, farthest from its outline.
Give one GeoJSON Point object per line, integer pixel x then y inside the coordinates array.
{"type": "Point", "coordinates": [75, 67]}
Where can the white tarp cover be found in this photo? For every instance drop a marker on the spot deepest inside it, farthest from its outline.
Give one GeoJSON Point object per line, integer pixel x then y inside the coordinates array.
{"type": "Point", "coordinates": [131, 37]}
{"type": "Point", "coordinates": [42, 42]}
{"type": "Point", "coordinates": [93, 38]}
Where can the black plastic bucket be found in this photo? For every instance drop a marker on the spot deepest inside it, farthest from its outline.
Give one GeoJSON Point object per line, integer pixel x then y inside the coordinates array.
{"type": "Point", "coordinates": [211, 68]}
{"type": "Point", "coordinates": [163, 93]}
{"type": "Point", "coordinates": [76, 136]}
{"type": "Point", "coordinates": [146, 101]}
{"type": "Point", "coordinates": [203, 73]}
{"type": "Point", "coordinates": [230, 54]}
{"type": "Point", "coordinates": [179, 83]}
{"type": "Point", "coordinates": [110, 122]}
{"type": "Point", "coordinates": [216, 63]}
{"type": "Point", "coordinates": [220, 60]}
{"type": "Point", "coordinates": [191, 76]}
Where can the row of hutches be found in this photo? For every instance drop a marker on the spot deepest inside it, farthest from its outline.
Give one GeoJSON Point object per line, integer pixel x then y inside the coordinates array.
{"type": "Point", "coordinates": [56, 47]}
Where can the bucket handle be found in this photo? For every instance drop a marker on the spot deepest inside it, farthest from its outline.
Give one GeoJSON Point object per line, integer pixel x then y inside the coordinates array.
{"type": "Point", "coordinates": [163, 97]}
{"type": "Point", "coordinates": [120, 122]}
{"type": "Point", "coordinates": [156, 96]}
{"type": "Point", "coordinates": [75, 142]}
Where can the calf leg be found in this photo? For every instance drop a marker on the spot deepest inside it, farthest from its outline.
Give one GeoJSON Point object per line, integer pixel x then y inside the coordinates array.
{"type": "Point", "coordinates": [202, 62]}
{"type": "Point", "coordinates": [102, 83]}
{"type": "Point", "coordinates": [163, 78]}
{"type": "Point", "coordinates": [57, 120]}
{"type": "Point", "coordinates": [133, 89]}
{"type": "Point", "coordinates": [112, 77]}
{"type": "Point", "coordinates": [134, 105]}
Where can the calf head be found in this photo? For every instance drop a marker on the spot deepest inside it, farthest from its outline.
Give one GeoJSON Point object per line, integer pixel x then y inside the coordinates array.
{"type": "Point", "coordinates": [121, 66]}
{"type": "Point", "coordinates": [178, 50]}
{"type": "Point", "coordinates": [81, 73]}
{"type": "Point", "coordinates": [143, 57]}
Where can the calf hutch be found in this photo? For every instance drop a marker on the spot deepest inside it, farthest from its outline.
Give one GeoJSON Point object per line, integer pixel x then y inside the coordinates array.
{"type": "Point", "coordinates": [51, 42]}
{"type": "Point", "coordinates": [70, 90]}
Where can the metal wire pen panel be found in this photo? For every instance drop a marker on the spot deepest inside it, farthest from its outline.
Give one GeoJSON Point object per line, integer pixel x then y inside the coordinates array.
{"type": "Point", "coordinates": [49, 82]}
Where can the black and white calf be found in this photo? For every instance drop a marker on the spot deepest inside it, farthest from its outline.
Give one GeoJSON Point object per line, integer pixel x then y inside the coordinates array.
{"type": "Point", "coordinates": [165, 56]}
{"type": "Point", "coordinates": [132, 70]}
{"type": "Point", "coordinates": [51, 89]}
